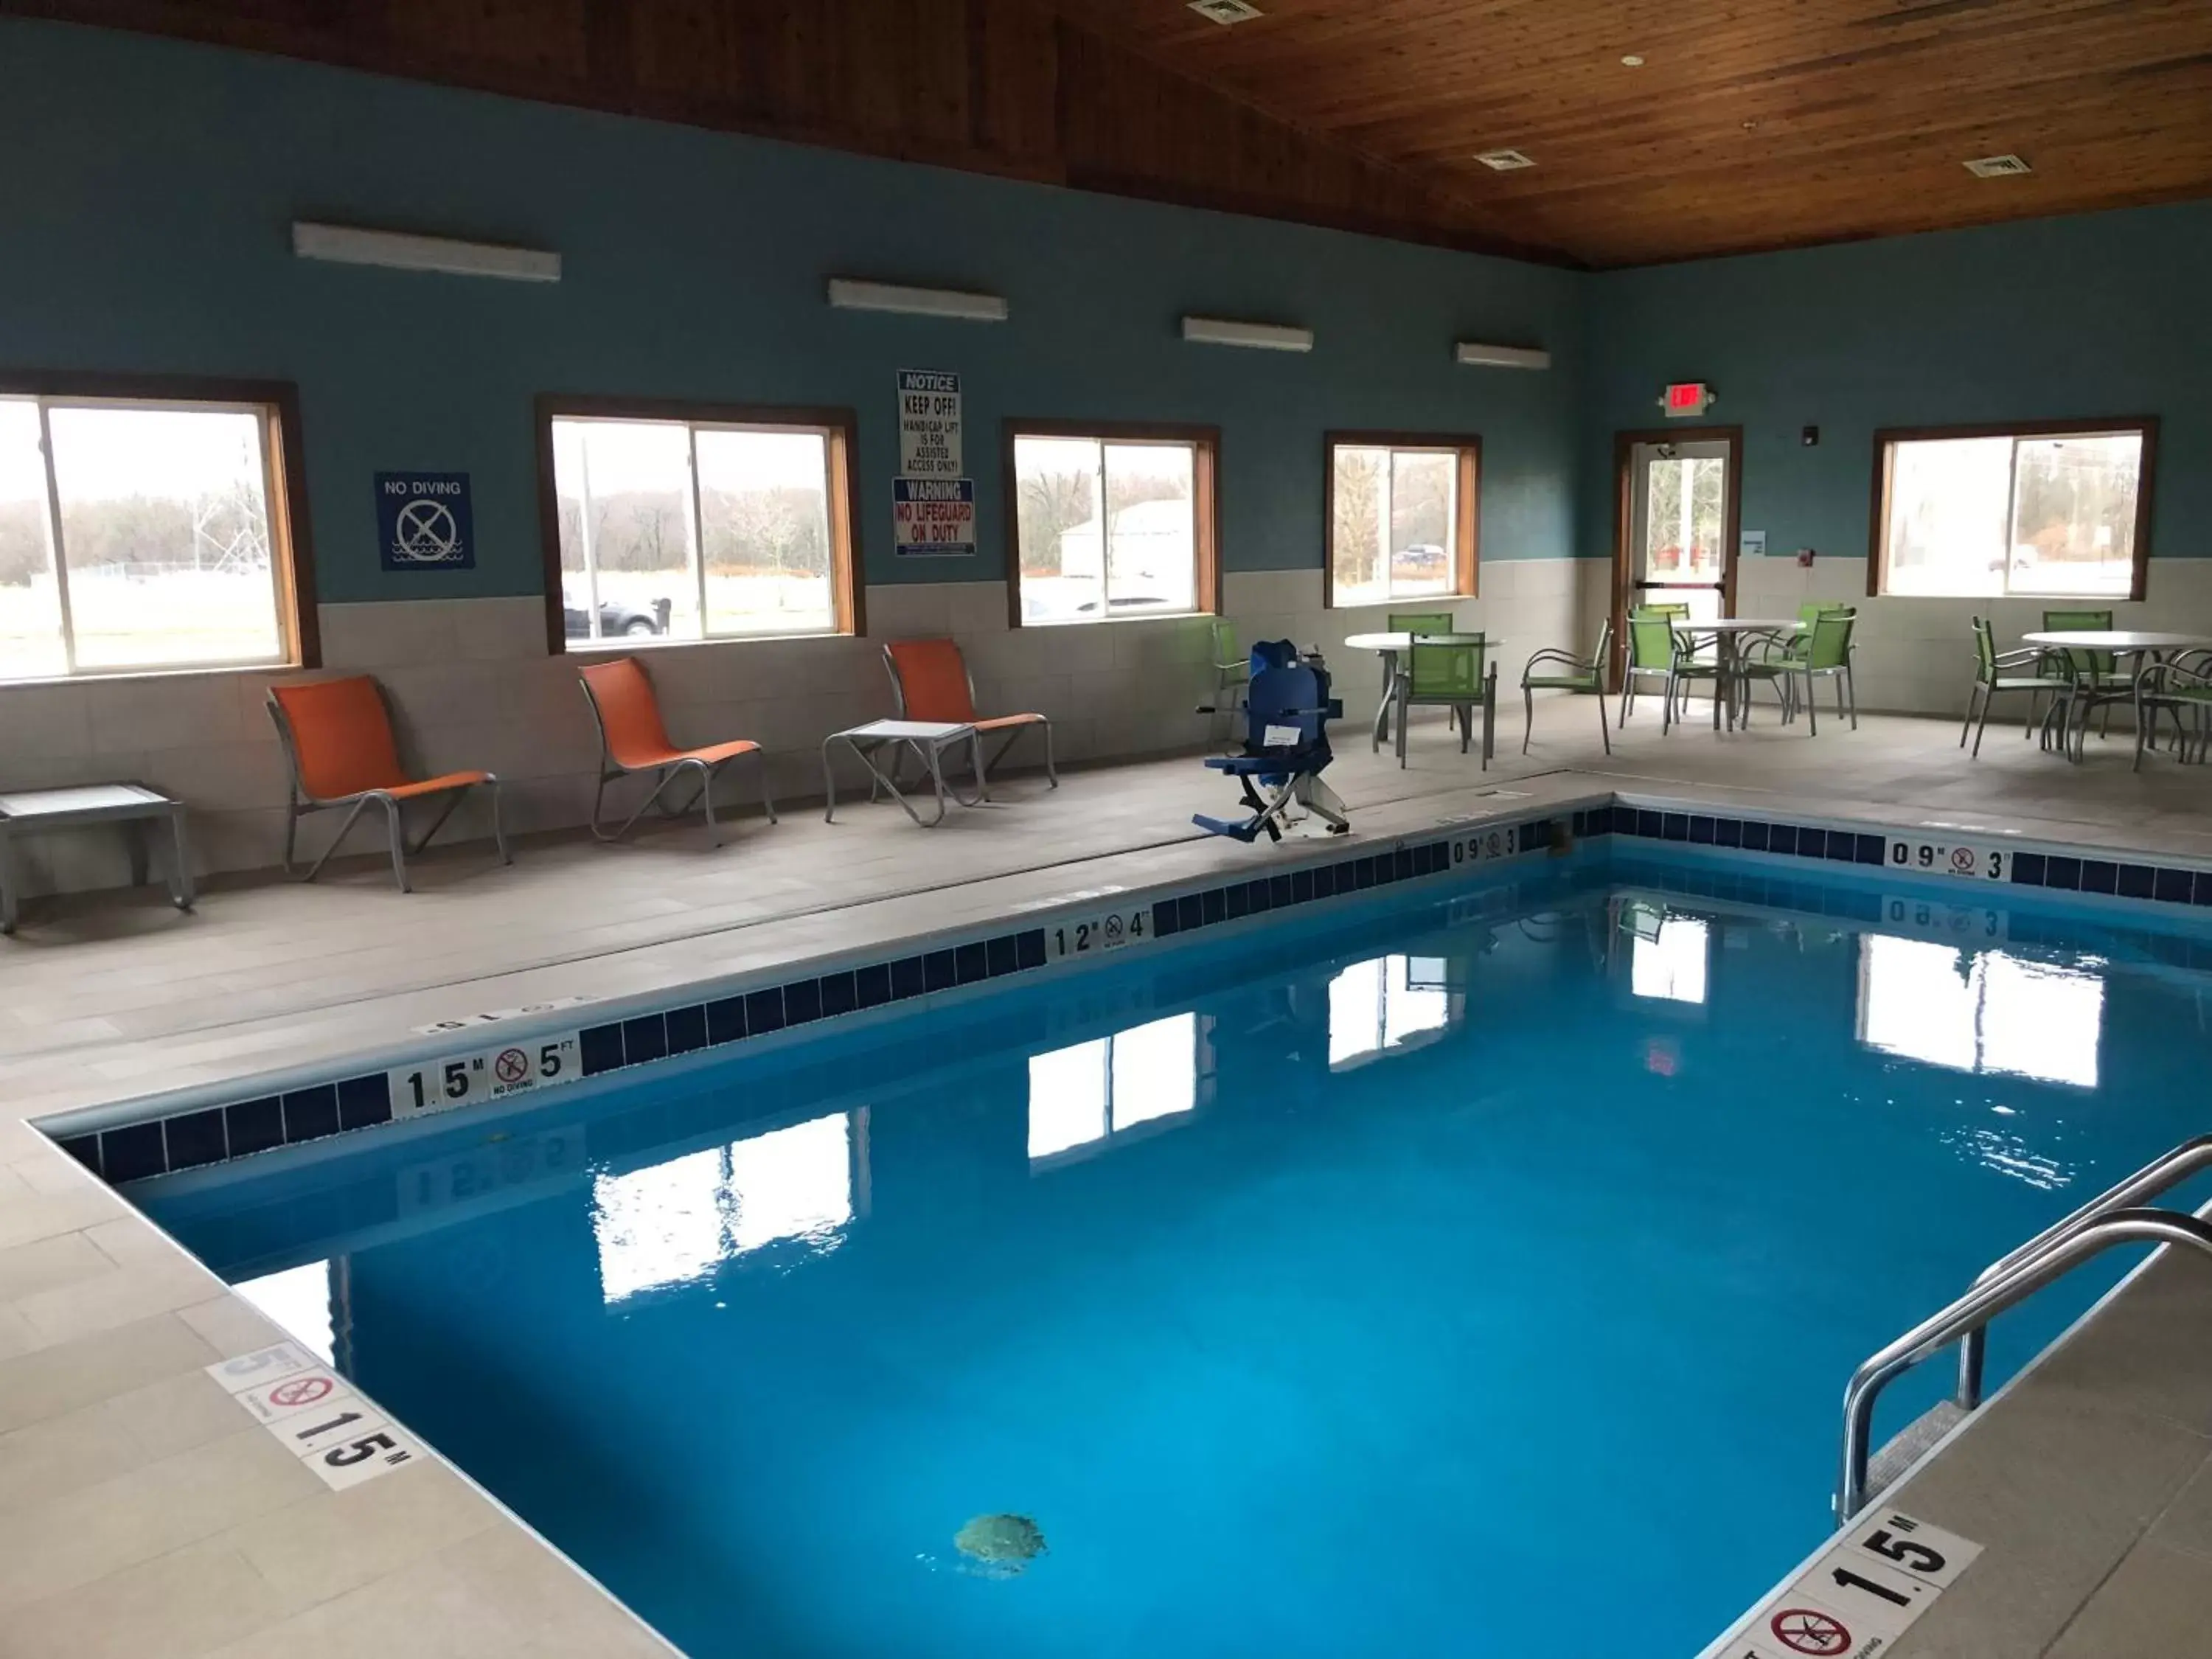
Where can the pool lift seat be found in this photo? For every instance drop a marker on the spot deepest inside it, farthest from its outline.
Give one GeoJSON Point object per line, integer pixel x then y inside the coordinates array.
{"type": "Point", "coordinates": [1287, 710]}
{"type": "Point", "coordinates": [2117, 1215]}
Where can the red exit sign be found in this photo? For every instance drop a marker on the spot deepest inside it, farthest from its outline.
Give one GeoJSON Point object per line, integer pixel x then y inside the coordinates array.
{"type": "Point", "coordinates": [1687, 397]}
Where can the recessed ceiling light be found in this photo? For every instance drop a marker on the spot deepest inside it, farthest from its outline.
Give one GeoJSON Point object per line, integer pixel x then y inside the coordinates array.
{"type": "Point", "coordinates": [1225, 11]}
{"type": "Point", "coordinates": [1505, 160]}
{"type": "Point", "coordinates": [1751, 127]}
{"type": "Point", "coordinates": [1997, 167]}
{"type": "Point", "coordinates": [1632, 61]}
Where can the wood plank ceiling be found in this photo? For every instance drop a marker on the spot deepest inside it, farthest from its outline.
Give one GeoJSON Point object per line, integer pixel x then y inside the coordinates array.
{"type": "Point", "coordinates": [1751, 123]}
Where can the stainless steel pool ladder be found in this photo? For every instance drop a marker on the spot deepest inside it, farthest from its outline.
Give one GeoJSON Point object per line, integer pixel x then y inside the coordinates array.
{"type": "Point", "coordinates": [2110, 1219]}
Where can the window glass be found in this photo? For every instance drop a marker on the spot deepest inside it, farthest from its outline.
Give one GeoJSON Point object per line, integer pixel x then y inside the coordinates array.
{"type": "Point", "coordinates": [167, 558]}
{"type": "Point", "coordinates": [30, 600]}
{"type": "Point", "coordinates": [646, 556]}
{"type": "Point", "coordinates": [1394, 529]}
{"type": "Point", "coordinates": [764, 519]}
{"type": "Point", "coordinates": [1106, 528]}
{"type": "Point", "coordinates": [2028, 513]}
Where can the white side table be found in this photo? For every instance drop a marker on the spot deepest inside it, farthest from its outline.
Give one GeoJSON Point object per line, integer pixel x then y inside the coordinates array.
{"type": "Point", "coordinates": [35, 811]}
{"type": "Point", "coordinates": [927, 740]}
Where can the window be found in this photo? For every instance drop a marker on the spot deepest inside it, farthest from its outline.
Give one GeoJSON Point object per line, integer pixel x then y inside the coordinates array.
{"type": "Point", "coordinates": [680, 523]}
{"type": "Point", "coordinates": [1111, 522]}
{"type": "Point", "coordinates": [1401, 517]}
{"type": "Point", "coordinates": [1089, 1092]}
{"type": "Point", "coordinates": [139, 533]}
{"type": "Point", "coordinates": [2063, 508]}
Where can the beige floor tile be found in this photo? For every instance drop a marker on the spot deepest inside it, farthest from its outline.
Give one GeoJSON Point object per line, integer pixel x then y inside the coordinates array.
{"type": "Point", "coordinates": [35, 1215]}
{"type": "Point", "coordinates": [49, 1263]}
{"type": "Point", "coordinates": [2056, 1489]}
{"type": "Point", "coordinates": [2151, 1350]}
{"type": "Point", "coordinates": [2153, 1606]}
{"type": "Point", "coordinates": [50, 1548]}
{"type": "Point", "coordinates": [2187, 1524]}
{"type": "Point", "coordinates": [62, 1378]}
{"type": "Point", "coordinates": [336, 1542]}
{"type": "Point", "coordinates": [229, 1325]}
{"type": "Point", "coordinates": [120, 1296]}
{"type": "Point", "coordinates": [172, 1606]}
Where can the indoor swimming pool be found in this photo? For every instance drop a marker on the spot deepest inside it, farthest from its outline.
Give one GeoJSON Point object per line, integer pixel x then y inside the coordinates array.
{"type": "Point", "coordinates": [1474, 1273]}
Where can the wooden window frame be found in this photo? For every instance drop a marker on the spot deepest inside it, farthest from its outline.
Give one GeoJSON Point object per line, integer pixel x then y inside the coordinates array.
{"type": "Point", "coordinates": [1887, 438]}
{"type": "Point", "coordinates": [1206, 506]}
{"type": "Point", "coordinates": [284, 483]}
{"type": "Point", "coordinates": [1466, 528]}
{"type": "Point", "coordinates": [847, 568]}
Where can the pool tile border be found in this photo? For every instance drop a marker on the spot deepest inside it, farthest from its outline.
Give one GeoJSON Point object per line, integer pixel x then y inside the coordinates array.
{"type": "Point", "coordinates": [188, 1139]}
{"type": "Point", "coordinates": [177, 1141]}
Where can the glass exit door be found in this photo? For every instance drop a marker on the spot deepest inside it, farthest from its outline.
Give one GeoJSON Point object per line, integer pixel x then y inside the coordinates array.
{"type": "Point", "coordinates": [1678, 525]}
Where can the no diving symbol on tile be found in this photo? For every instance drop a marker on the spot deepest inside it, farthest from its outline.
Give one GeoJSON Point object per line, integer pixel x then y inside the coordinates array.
{"type": "Point", "coordinates": [512, 1066]}
{"type": "Point", "coordinates": [1808, 1630]}
{"type": "Point", "coordinates": [300, 1391]}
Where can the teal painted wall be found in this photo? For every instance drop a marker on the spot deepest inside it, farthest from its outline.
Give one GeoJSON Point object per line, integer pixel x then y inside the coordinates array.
{"type": "Point", "coordinates": [150, 185]}
{"type": "Point", "coordinates": [2101, 314]}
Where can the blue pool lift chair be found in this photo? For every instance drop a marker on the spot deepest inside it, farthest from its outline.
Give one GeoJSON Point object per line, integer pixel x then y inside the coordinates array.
{"type": "Point", "coordinates": [1287, 710]}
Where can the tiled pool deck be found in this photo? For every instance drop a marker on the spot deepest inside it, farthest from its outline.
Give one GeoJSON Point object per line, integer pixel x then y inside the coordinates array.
{"type": "Point", "coordinates": [141, 1513]}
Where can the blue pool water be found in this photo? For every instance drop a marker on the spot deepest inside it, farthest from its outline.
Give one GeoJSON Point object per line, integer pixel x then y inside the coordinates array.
{"type": "Point", "coordinates": [1475, 1278]}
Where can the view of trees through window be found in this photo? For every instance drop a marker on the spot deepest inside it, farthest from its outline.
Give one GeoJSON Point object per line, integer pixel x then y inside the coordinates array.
{"type": "Point", "coordinates": [1105, 527]}
{"type": "Point", "coordinates": [1393, 523]}
{"type": "Point", "coordinates": [166, 558]}
{"type": "Point", "coordinates": [2032, 513]}
{"type": "Point", "coordinates": [646, 553]}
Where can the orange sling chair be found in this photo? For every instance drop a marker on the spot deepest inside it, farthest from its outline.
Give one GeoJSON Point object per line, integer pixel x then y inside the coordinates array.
{"type": "Point", "coordinates": [930, 679]}
{"type": "Point", "coordinates": [634, 739]}
{"type": "Point", "coordinates": [340, 752]}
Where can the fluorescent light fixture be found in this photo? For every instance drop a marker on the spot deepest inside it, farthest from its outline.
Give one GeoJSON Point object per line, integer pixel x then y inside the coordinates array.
{"type": "Point", "coordinates": [845, 294]}
{"type": "Point", "coordinates": [1476, 355]}
{"type": "Point", "coordinates": [1265, 336]}
{"type": "Point", "coordinates": [396, 250]}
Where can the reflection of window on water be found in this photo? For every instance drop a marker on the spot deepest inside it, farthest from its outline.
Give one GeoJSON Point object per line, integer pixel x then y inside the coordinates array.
{"type": "Point", "coordinates": [1986, 1012]}
{"type": "Point", "coordinates": [1386, 1004]}
{"type": "Point", "coordinates": [299, 1300]}
{"type": "Point", "coordinates": [1669, 961]}
{"type": "Point", "coordinates": [1107, 1086]}
{"type": "Point", "coordinates": [678, 1221]}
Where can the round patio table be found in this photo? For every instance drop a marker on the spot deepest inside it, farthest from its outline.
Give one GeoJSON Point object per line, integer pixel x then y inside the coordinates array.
{"type": "Point", "coordinates": [1388, 646]}
{"type": "Point", "coordinates": [2149, 644]}
{"type": "Point", "coordinates": [1728, 634]}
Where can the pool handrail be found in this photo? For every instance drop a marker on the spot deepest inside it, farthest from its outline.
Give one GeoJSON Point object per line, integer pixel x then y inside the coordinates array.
{"type": "Point", "coordinates": [2165, 1171]}
{"type": "Point", "coordinates": [1989, 1296]}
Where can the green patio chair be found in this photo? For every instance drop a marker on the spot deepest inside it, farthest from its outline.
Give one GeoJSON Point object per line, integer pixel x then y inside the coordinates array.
{"type": "Point", "coordinates": [2184, 692]}
{"type": "Point", "coordinates": [1232, 670]}
{"type": "Point", "coordinates": [1458, 676]}
{"type": "Point", "coordinates": [1565, 672]}
{"type": "Point", "coordinates": [1827, 655]}
{"type": "Point", "coordinates": [1995, 676]}
{"type": "Point", "coordinates": [1654, 649]}
{"type": "Point", "coordinates": [2098, 681]}
{"type": "Point", "coordinates": [1423, 621]}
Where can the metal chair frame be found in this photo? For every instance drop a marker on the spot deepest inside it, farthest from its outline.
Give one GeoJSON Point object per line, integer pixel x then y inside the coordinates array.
{"type": "Point", "coordinates": [299, 804]}
{"type": "Point", "coordinates": [1593, 666]}
{"type": "Point", "coordinates": [665, 772]}
{"type": "Point", "coordinates": [1986, 690]}
{"type": "Point", "coordinates": [1043, 722]}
